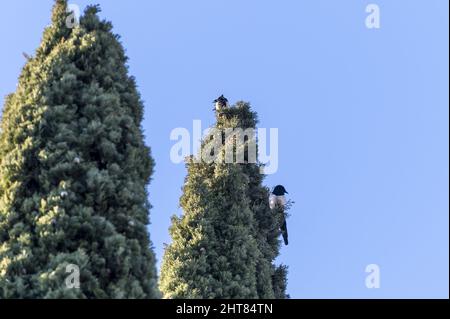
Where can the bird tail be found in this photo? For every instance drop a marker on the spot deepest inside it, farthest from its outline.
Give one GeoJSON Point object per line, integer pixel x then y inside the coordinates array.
{"type": "Point", "coordinates": [284, 232]}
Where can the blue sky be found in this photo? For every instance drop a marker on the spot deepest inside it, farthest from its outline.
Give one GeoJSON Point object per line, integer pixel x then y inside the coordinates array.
{"type": "Point", "coordinates": [362, 117]}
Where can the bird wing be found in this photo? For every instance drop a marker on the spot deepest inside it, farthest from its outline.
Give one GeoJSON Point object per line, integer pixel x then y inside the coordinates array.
{"type": "Point", "coordinates": [272, 201]}
{"type": "Point", "coordinates": [282, 200]}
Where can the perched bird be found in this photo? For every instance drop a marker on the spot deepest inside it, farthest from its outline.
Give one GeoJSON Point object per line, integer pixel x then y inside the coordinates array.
{"type": "Point", "coordinates": [220, 103]}
{"type": "Point", "coordinates": [277, 199]}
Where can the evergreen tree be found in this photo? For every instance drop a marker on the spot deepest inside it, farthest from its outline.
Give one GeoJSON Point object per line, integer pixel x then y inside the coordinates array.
{"type": "Point", "coordinates": [74, 170]}
{"type": "Point", "coordinates": [225, 242]}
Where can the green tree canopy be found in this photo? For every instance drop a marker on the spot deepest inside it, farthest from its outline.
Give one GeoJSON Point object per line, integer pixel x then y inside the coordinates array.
{"type": "Point", "coordinates": [224, 244]}
{"type": "Point", "coordinates": [74, 170]}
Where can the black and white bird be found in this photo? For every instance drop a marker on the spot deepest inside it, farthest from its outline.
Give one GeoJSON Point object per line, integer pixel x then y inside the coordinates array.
{"type": "Point", "coordinates": [220, 103]}
{"type": "Point", "coordinates": [277, 199]}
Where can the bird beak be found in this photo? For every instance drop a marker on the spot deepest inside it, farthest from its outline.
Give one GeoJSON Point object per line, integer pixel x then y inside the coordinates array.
{"type": "Point", "coordinates": [286, 192]}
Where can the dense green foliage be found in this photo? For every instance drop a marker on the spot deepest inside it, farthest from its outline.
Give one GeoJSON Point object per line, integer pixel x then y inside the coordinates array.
{"type": "Point", "coordinates": [74, 170]}
{"type": "Point", "coordinates": [225, 242]}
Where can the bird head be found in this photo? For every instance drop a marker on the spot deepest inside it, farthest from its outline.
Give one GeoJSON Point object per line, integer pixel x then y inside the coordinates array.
{"type": "Point", "coordinates": [220, 102]}
{"type": "Point", "coordinates": [279, 190]}
{"type": "Point", "coordinates": [221, 99]}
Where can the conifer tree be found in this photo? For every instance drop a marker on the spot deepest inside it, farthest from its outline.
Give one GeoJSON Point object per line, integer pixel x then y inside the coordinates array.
{"type": "Point", "coordinates": [224, 244]}
{"type": "Point", "coordinates": [74, 170]}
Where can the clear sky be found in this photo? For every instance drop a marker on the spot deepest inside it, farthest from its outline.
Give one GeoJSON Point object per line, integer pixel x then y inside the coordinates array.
{"type": "Point", "coordinates": [362, 117]}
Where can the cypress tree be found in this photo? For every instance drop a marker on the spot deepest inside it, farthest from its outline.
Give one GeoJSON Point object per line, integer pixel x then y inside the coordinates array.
{"type": "Point", "coordinates": [74, 170]}
{"type": "Point", "coordinates": [224, 244]}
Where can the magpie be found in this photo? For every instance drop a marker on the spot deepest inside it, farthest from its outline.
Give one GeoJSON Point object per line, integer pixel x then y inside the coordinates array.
{"type": "Point", "coordinates": [220, 103]}
{"type": "Point", "coordinates": [277, 199]}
